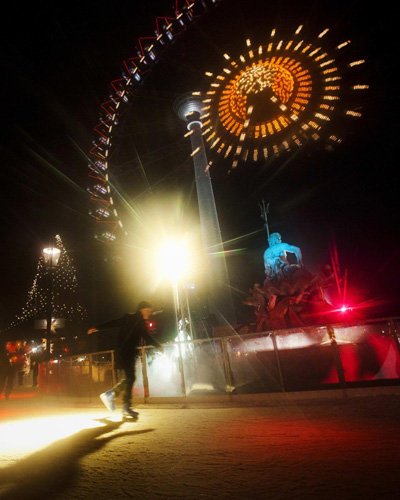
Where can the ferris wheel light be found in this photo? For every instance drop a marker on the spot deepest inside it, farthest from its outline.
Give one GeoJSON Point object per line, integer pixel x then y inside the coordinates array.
{"type": "Point", "coordinates": [99, 213]}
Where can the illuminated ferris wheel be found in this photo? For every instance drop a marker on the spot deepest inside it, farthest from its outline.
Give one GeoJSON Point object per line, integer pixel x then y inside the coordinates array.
{"type": "Point", "coordinates": [262, 99]}
{"type": "Point", "coordinates": [149, 49]}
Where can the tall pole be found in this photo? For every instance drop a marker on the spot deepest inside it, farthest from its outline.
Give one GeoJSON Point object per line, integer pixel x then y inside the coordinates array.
{"type": "Point", "coordinates": [49, 311]}
{"type": "Point", "coordinates": [220, 302]}
{"type": "Point", "coordinates": [51, 256]}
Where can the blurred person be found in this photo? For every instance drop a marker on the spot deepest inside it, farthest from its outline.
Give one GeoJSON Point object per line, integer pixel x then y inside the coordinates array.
{"type": "Point", "coordinates": [7, 372]}
{"type": "Point", "coordinates": [20, 365]}
{"type": "Point", "coordinates": [35, 358]}
{"type": "Point", "coordinates": [132, 330]}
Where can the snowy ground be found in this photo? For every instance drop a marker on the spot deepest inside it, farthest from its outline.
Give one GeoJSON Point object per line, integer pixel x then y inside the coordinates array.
{"type": "Point", "coordinates": [321, 450]}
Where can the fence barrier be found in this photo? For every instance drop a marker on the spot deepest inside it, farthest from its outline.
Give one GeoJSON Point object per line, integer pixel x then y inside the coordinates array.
{"type": "Point", "coordinates": [300, 359]}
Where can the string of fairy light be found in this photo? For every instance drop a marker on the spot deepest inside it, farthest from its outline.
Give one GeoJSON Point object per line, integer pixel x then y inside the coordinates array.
{"type": "Point", "coordinates": [63, 292]}
{"type": "Point", "coordinates": [276, 96]}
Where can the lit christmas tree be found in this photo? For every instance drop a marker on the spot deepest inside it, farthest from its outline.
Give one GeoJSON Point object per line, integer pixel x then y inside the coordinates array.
{"type": "Point", "coordinates": [62, 291]}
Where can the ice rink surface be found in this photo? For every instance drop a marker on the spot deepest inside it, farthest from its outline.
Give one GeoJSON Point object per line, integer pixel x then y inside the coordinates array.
{"type": "Point", "coordinates": [342, 449]}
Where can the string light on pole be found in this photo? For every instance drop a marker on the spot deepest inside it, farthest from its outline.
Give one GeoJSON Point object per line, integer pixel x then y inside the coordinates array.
{"type": "Point", "coordinates": [64, 284]}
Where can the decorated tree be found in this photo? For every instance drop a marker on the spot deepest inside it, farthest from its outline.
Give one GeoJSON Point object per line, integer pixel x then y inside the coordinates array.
{"type": "Point", "coordinates": [60, 287]}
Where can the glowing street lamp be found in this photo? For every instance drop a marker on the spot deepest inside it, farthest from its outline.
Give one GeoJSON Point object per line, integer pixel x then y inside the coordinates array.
{"type": "Point", "coordinates": [174, 260]}
{"type": "Point", "coordinates": [176, 264]}
{"type": "Point", "coordinates": [51, 256]}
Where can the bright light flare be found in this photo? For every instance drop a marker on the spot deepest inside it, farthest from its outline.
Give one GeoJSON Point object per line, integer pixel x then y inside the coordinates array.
{"type": "Point", "coordinates": [22, 437]}
{"type": "Point", "coordinates": [175, 259]}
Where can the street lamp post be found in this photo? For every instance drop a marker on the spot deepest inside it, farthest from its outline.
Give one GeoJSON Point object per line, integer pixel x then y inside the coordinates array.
{"type": "Point", "coordinates": [175, 265]}
{"type": "Point", "coordinates": [51, 257]}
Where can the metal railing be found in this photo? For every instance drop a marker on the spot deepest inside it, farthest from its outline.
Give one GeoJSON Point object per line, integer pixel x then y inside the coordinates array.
{"type": "Point", "coordinates": [299, 359]}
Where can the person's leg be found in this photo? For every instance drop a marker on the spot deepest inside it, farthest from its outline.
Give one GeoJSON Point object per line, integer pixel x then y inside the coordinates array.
{"type": "Point", "coordinates": [109, 396]}
{"type": "Point", "coordinates": [129, 382]}
{"type": "Point", "coordinates": [121, 382]}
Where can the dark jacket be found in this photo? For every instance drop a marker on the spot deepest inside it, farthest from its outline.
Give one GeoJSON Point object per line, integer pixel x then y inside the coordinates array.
{"type": "Point", "coordinates": [132, 329]}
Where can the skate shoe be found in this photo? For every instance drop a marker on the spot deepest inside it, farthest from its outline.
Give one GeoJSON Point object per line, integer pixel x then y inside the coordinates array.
{"type": "Point", "coordinates": [108, 400]}
{"type": "Point", "coordinates": [128, 412]}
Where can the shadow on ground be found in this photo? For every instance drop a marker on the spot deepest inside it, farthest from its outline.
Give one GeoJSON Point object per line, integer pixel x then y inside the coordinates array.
{"type": "Point", "coordinates": [49, 472]}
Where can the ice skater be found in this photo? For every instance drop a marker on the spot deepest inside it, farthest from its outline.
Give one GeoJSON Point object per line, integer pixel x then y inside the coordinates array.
{"type": "Point", "coordinates": [132, 328]}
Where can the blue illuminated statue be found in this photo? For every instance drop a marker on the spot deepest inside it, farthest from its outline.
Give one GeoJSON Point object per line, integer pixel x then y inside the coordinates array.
{"type": "Point", "coordinates": [275, 257]}
{"type": "Point", "coordinates": [290, 296]}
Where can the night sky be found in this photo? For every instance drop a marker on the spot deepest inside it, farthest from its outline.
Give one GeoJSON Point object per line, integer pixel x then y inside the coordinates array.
{"type": "Point", "coordinates": [58, 61]}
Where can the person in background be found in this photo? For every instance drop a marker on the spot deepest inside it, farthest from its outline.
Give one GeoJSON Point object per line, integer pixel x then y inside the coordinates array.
{"type": "Point", "coordinates": [20, 364]}
{"type": "Point", "coordinates": [7, 372]}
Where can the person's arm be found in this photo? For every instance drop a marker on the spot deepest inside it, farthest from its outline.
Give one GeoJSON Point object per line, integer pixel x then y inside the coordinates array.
{"type": "Point", "coordinates": [115, 323]}
{"type": "Point", "coordinates": [296, 251]}
{"type": "Point", "coordinates": [150, 340]}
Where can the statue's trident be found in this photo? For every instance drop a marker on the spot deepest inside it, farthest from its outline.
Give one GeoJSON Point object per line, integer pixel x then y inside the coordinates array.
{"type": "Point", "coordinates": [264, 215]}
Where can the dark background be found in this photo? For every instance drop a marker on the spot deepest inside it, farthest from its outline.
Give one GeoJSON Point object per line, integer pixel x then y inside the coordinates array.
{"type": "Point", "coordinates": [58, 61]}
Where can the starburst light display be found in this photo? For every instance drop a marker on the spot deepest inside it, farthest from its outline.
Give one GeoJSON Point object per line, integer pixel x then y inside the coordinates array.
{"type": "Point", "coordinates": [277, 96]}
